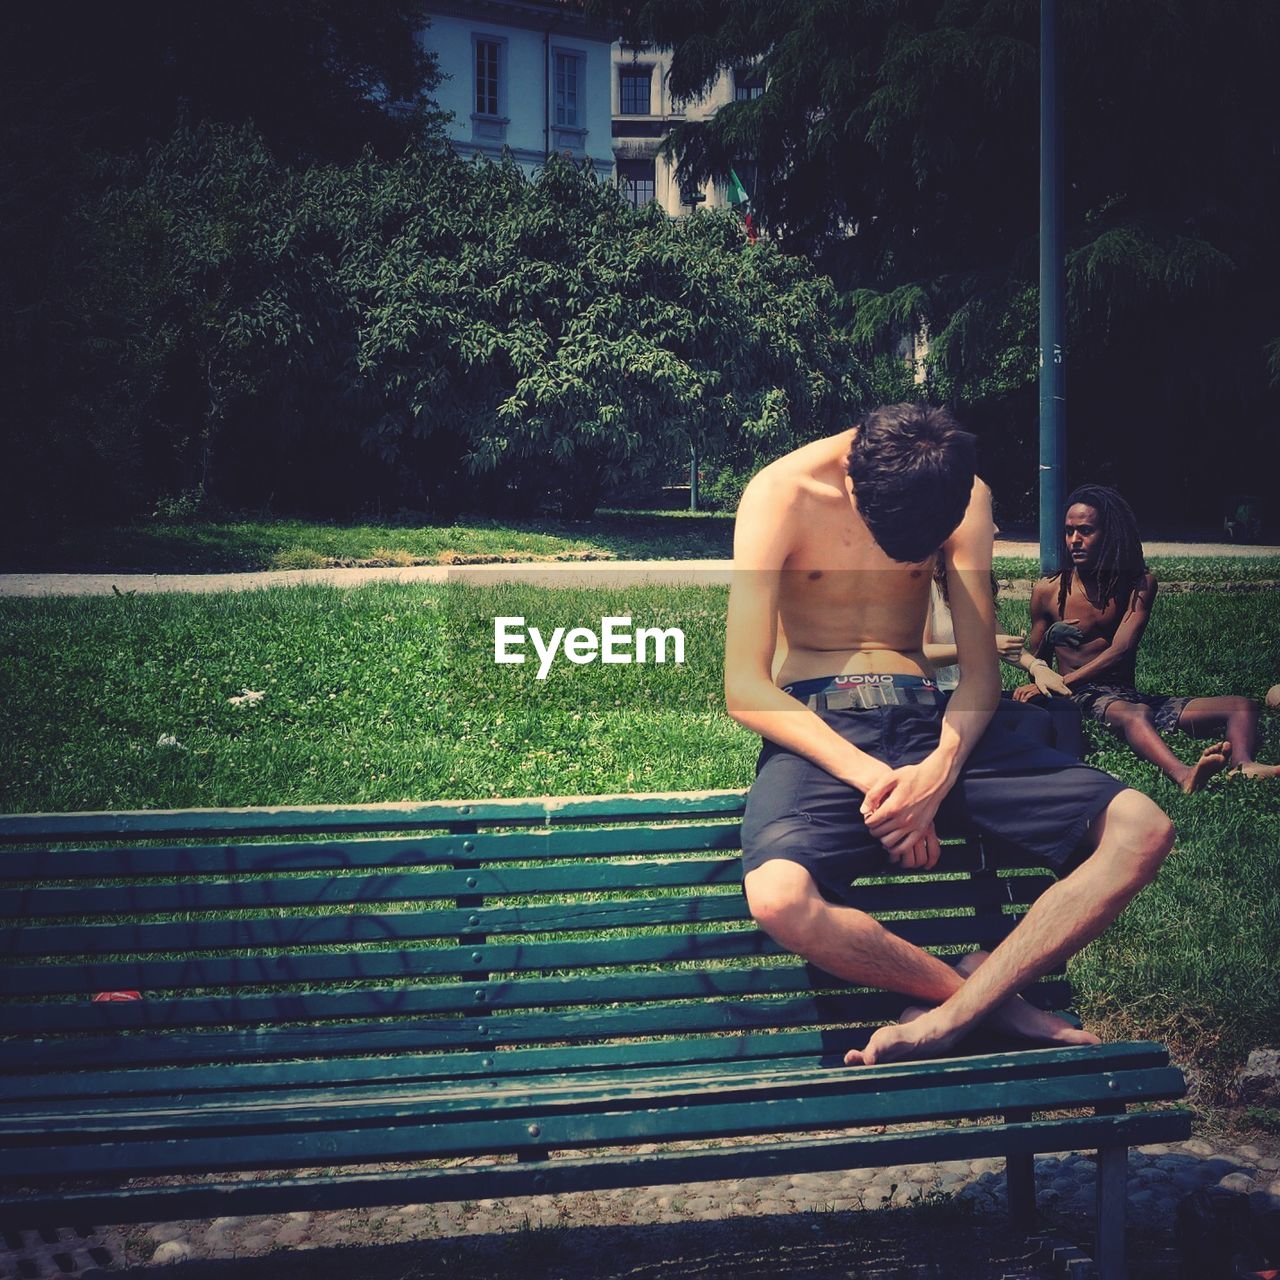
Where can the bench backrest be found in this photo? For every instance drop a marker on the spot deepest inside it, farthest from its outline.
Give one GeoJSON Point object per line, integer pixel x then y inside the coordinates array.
{"type": "Point", "coordinates": [449, 931]}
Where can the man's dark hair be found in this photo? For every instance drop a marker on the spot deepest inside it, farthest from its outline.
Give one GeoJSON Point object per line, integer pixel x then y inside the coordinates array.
{"type": "Point", "coordinates": [1120, 563]}
{"type": "Point", "coordinates": [912, 470]}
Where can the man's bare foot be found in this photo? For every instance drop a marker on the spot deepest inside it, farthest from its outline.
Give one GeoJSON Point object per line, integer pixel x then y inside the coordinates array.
{"type": "Point", "coordinates": [924, 1035]}
{"type": "Point", "coordinates": [1213, 759]}
{"type": "Point", "coordinates": [1255, 770]}
{"type": "Point", "coordinates": [1020, 1017]}
{"type": "Point", "coordinates": [1017, 1016]}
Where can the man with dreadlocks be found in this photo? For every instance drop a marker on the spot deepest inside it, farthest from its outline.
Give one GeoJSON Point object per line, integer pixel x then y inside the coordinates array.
{"type": "Point", "coordinates": [1091, 614]}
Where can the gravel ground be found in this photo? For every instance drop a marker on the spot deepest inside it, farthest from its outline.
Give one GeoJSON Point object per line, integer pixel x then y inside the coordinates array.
{"type": "Point", "coordinates": [925, 1220]}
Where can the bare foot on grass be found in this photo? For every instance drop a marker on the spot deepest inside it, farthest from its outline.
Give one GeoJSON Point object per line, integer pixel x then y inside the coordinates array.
{"type": "Point", "coordinates": [1213, 759]}
{"type": "Point", "coordinates": [1255, 770]}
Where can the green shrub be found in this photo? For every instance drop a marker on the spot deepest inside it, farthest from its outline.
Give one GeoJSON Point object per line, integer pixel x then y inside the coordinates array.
{"type": "Point", "coordinates": [420, 332]}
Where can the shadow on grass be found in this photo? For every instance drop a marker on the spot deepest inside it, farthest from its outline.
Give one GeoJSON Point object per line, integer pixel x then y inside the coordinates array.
{"type": "Point", "coordinates": [253, 545]}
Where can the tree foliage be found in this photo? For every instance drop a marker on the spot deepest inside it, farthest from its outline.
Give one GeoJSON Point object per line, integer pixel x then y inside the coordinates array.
{"type": "Point", "coordinates": [417, 332]}
{"type": "Point", "coordinates": [897, 144]}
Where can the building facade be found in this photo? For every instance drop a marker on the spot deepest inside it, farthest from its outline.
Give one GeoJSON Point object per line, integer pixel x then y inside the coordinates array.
{"type": "Point", "coordinates": [528, 77]}
{"type": "Point", "coordinates": [643, 113]}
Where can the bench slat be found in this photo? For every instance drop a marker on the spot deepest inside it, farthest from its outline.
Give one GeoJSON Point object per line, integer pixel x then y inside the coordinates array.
{"type": "Point", "coordinates": [692, 1117]}
{"type": "Point", "coordinates": [167, 861]}
{"type": "Point", "coordinates": [382, 851]}
{"type": "Point", "coordinates": [531, 1069]}
{"type": "Point", "coordinates": [53, 976]}
{"type": "Point", "coordinates": [355, 927]}
{"type": "Point", "coordinates": [888, 1100]}
{"type": "Point", "coordinates": [160, 824]}
{"type": "Point", "coordinates": [594, 1172]}
{"type": "Point", "coordinates": [390, 887]}
{"type": "Point", "coordinates": [727, 1053]}
{"type": "Point", "coordinates": [477, 999]}
{"type": "Point", "coordinates": [397, 887]}
{"type": "Point", "coordinates": [519, 1028]}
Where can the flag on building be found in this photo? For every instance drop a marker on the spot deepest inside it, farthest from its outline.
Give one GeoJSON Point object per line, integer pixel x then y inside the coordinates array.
{"type": "Point", "coordinates": [738, 198]}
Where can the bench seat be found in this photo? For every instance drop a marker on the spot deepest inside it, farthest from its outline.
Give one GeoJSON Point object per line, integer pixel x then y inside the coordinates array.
{"type": "Point", "coordinates": [355, 1006]}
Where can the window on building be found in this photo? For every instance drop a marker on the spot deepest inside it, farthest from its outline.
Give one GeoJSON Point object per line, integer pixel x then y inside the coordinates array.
{"type": "Point", "coordinates": [634, 91]}
{"type": "Point", "coordinates": [488, 55]}
{"type": "Point", "coordinates": [568, 88]}
{"type": "Point", "coordinates": [748, 83]}
{"type": "Point", "coordinates": [637, 180]}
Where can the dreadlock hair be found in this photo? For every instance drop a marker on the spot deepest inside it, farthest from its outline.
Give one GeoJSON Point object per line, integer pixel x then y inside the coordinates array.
{"type": "Point", "coordinates": [1120, 564]}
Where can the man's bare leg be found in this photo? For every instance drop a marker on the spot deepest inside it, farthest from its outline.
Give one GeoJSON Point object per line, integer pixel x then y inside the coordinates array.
{"type": "Point", "coordinates": [1131, 839]}
{"type": "Point", "coordinates": [1134, 721]}
{"type": "Point", "coordinates": [842, 940]}
{"type": "Point", "coordinates": [852, 945]}
{"type": "Point", "coordinates": [1236, 717]}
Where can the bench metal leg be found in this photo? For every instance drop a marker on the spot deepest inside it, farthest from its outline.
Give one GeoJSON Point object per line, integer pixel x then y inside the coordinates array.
{"type": "Point", "coordinates": [1020, 1180]}
{"type": "Point", "coordinates": [1113, 1171]}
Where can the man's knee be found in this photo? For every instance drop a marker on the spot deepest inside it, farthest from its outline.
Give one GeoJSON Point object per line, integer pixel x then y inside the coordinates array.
{"type": "Point", "coordinates": [1138, 834]}
{"type": "Point", "coordinates": [1125, 714]}
{"type": "Point", "coordinates": [782, 899]}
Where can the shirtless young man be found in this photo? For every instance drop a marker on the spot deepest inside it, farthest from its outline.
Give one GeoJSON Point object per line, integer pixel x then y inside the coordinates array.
{"type": "Point", "coordinates": [1098, 605]}
{"type": "Point", "coordinates": [834, 549]}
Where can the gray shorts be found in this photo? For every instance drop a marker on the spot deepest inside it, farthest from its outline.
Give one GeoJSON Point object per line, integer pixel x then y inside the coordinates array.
{"type": "Point", "coordinates": [1094, 699]}
{"type": "Point", "coordinates": [1014, 790]}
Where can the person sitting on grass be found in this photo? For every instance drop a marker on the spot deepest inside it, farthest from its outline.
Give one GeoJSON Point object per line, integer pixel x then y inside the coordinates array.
{"type": "Point", "coordinates": [1053, 720]}
{"type": "Point", "coordinates": [1091, 615]}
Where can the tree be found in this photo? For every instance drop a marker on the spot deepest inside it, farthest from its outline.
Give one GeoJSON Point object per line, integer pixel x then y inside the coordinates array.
{"type": "Point", "coordinates": [84, 91]}
{"type": "Point", "coordinates": [896, 144]}
{"type": "Point", "coordinates": [415, 332]}
{"type": "Point", "coordinates": [317, 78]}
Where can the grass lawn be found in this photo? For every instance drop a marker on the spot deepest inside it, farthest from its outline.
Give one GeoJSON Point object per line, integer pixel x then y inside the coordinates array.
{"type": "Point", "coordinates": [390, 692]}
{"type": "Point", "coordinates": [247, 545]}
{"type": "Point", "coordinates": [208, 547]}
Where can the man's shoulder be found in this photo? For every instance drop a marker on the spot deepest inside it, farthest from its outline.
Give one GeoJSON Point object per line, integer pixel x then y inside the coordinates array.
{"type": "Point", "coordinates": [791, 479]}
{"type": "Point", "coordinates": [1044, 591]}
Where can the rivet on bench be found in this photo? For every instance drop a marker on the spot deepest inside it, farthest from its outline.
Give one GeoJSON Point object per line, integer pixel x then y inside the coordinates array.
{"type": "Point", "coordinates": [471, 882]}
{"type": "Point", "coordinates": [473, 920]}
{"type": "Point", "coordinates": [482, 1030]}
{"type": "Point", "coordinates": [468, 846]}
{"type": "Point", "coordinates": [476, 957]}
{"type": "Point", "coordinates": [486, 1062]}
{"type": "Point", "coordinates": [480, 997]}
{"type": "Point", "coordinates": [1113, 1083]}
{"type": "Point", "coordinates": [534, 1131]}
{"type": "Point", "coordinates": [466, 808]}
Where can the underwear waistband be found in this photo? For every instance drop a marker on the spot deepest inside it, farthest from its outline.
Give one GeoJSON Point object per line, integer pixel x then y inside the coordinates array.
{"type": "Point", "coordinates": [840, 693]}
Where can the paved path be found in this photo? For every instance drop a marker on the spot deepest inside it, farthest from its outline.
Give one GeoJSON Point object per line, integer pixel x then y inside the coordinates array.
{"type": "Point", "coordinates": [1160, 1177]}
{"type": "Point", "coordinates": [597, 573]}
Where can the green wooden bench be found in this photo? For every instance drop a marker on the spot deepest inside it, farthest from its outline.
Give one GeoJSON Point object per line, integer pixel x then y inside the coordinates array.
{"type": "Point", "coordinates": [572, 988]}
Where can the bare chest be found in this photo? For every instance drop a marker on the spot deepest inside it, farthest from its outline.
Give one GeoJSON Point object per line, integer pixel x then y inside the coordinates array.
{"type": "Point", "coordinates": [1098, 622]}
